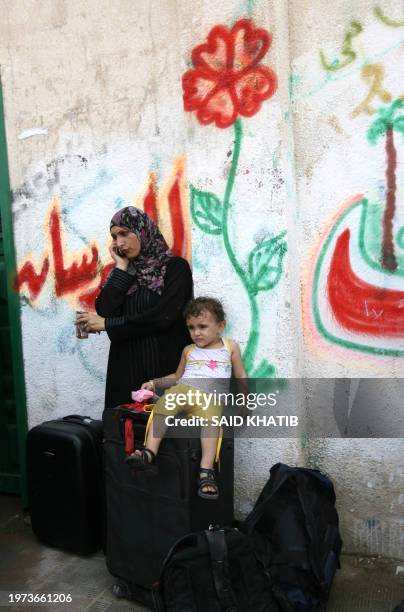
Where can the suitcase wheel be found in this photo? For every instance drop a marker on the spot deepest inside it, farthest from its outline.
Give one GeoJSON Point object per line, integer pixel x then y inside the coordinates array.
{"type": "Point", "coordinates": [121, 590]}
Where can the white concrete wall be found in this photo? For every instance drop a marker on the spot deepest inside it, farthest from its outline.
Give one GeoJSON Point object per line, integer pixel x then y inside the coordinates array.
{"type": "Point", "coordinates": [336, 167]}
{"type": "Point", "coordinates": [94, 116]}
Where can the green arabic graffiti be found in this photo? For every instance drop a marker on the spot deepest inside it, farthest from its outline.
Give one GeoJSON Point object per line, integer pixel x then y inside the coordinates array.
{"type": "Point", "coordinates": [392, 23]}
{"type": "Point", "coordinates": [347, 50]}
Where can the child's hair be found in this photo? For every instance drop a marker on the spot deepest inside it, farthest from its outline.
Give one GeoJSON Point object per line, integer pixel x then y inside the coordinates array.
{"type": "Point", "coordinates": [195, 307]}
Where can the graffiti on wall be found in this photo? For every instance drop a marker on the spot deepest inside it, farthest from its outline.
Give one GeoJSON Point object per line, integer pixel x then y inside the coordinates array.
{"type": "Point", "coordinates": [358, 277]}
{"type": "Point", "coordinates": [389, 121]}
{"type": "Point", "coordinates": [374, 75]}
{"type": "Point", "coordinates": [77, 276]}
{"type": "Point", "coordinates": [348, 52]}
{"type": "Point", "coordinates": [228, 82]}
{"type": "Point", "coordinates": [393, 23]}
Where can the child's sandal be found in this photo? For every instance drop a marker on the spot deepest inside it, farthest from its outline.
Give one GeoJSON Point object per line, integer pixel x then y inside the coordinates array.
{"type": "Point", "coordinates": [207, 481]}
{"type": "Point", "coordinates": [145, 460]}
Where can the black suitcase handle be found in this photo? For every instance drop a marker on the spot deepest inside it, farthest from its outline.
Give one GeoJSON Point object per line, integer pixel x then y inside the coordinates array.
{"type": "Point", "coordinates": [76, 418]}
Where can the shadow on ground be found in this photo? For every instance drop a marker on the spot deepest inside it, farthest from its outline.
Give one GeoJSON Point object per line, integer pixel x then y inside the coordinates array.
{"type": "Point", "coordinates": [26, 566]}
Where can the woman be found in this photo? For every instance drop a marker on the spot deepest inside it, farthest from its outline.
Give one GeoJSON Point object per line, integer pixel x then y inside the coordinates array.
{"type": "Point", "coordinates": [140, 306]}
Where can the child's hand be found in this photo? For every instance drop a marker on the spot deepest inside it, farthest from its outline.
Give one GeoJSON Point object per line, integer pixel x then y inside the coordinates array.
{"type": "Point", "coordinates": [148, 385]}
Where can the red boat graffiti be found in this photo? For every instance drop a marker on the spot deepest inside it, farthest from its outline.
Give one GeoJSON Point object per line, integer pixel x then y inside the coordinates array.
{"type": "Point", "coordinates": [359, 306]}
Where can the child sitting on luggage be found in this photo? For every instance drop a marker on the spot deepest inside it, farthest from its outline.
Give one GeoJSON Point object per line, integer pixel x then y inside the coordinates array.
{"type": "Point", "coordinates": [205, 367]}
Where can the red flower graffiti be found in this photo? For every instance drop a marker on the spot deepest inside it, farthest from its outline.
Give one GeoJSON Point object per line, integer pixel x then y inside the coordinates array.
{"type": "Point", "coordinates": [226, 80]}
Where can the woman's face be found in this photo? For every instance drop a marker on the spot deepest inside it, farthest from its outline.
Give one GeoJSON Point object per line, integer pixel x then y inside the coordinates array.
{"type": "Point", "coordinates": [125, 241]}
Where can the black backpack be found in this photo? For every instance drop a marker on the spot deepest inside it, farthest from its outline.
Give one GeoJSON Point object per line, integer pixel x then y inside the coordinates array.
{"type": "Point", "coordinates": [294, 526]}
{"type": "Point", "coordinates": [214, 571]}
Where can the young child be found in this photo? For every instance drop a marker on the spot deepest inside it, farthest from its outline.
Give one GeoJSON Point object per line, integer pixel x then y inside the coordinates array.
{"type": "Point", "coordinates": [205, 366]}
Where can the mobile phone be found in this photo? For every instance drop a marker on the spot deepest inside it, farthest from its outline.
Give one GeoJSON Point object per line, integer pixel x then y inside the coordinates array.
{"type": "Point", "coordinates": [119, 252]}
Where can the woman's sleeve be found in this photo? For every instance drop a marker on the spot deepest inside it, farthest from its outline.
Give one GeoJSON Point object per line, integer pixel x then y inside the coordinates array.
{"type": "Point", "coordinates": [177, 291]}
{"type": "Point", "coordinates": [113, 293]}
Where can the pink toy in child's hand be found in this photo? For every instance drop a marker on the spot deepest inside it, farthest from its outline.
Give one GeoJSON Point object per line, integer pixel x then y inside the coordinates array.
{"type": "Point", "coordinates": [142, 395]}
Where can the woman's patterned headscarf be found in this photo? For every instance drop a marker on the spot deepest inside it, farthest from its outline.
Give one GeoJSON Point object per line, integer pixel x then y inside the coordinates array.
{"type": "Point", "coordinates": [149, 267]}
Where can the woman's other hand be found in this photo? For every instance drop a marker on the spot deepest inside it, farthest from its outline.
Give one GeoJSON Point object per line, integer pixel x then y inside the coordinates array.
{"type": "Point", "coordinates": [91, 322]}
{"type": "Point", "coordinates": [120, 260]}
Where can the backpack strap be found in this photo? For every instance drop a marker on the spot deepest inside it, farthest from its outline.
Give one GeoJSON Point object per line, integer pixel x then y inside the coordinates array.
{"type": "Point", "coordinates": [220, 569]}
{"type": "Point", "coordinates": [226, 342]}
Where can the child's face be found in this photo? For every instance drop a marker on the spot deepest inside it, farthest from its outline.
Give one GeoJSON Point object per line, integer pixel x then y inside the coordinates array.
{"type": "Point", "coordinates": [205, 329]}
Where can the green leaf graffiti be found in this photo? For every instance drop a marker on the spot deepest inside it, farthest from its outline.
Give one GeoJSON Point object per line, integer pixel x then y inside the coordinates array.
{"type": "Point", "coordinates": [264, 370]}
{"type": "Point", "coordinates": [387, 118]}
{"type": "Point", "coordinates": [265, 264]}
{"type": "Point", "coordinates": [400, 238]}
{"type": "Point", "coordinates": [206, 210]}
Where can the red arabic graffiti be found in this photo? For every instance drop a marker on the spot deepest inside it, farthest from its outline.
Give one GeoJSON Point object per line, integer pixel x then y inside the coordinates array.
{"type": "Point", "coordinates": [176, 216]}
{"type": "Point", "coordinates": [150, 198]}
{"type": "Point", "coordinates": [77, 279]}
{"type": "Point", "coordinates": [87, 299]}
{"type": "Point", "coordinates": [359, 306]}
{"type": "Point", "coordinates": [67, 279]}
{"type": "Point", "coordinates": [34, 281]}
{"type": "Point", "coordinates": [227, 79]}
{"type": "Point", "coordinates": [77, 275]}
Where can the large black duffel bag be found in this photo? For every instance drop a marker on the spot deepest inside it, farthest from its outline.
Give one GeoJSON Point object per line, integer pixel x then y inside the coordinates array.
{"type": "Point", "coordinates": [147, 514]}
{"type": "Point", "coordinates": [294, 525]}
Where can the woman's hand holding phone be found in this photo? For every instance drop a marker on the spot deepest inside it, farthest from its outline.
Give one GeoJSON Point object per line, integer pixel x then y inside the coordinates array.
{"type": "Point", "coordinates": [118, 257]}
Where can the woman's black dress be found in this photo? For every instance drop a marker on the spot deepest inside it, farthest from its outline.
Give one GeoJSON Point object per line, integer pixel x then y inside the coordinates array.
{"type": "Point", "coordinates": [147, 330]}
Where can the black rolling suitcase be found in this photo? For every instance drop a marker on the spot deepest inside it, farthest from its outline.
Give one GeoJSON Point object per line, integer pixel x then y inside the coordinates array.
{"type": "Point", "coordinates": [65, 483]}
{"type": "Point", "coordinates": [147, 514]}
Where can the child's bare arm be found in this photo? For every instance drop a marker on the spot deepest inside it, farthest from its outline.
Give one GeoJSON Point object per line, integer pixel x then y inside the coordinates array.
{"type": "Point", "coordinates": [236, 361]}
{"type": "Point", "coordinates": [181, 366]}
{"type": "Point", "coordinates": [165, 382]}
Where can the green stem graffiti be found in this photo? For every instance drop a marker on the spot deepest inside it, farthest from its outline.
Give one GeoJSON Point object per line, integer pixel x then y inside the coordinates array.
{"type": "Point", "coordinates": [265, 260]}
{"type": "Point", "coordinates": [251, 348]}
{"type": "Point", "coordinates": [238, 133]}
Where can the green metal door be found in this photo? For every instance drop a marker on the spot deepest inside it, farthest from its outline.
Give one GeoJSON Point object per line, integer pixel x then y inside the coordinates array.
{"type": "Point", "coordinates": [13, 417]}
